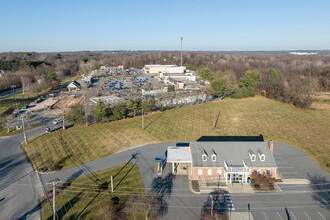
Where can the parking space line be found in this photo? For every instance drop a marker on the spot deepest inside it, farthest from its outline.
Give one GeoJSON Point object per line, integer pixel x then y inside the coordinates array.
{"type": "Point", "coordinates": [308, 216]}
{"type": "Point", "coordinates": [277, 187]}
{"type": "Point", "coordinates": [321, 215]}
{"type": "Point", "coordinates": [279, 215]}
{"type": "Point", "coordinates": [293, 216]}
{"type": "Point", "coordinates": [266, 216]}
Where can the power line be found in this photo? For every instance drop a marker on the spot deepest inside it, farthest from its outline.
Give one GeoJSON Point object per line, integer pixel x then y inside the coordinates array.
{"type": "Point", "coordinates": [72, 184]}
{"type": "Point", "coordinates": [269, 207]}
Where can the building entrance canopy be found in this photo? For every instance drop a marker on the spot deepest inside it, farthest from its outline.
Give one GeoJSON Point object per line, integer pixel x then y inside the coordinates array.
{"type": "Point", "coordinates": [179, 155]}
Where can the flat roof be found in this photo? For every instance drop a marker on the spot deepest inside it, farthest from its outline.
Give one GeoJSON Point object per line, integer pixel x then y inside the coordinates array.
{"type": "Point", "coordinates": [179, 154]}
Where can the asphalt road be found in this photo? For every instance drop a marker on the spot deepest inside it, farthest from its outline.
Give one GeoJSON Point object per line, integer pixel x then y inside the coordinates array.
{"type": "Point", "coordinates": [179, 203]}
{"type": "Point", "coordinates": [19, 185]}
{"type": "Point", "coordinates": [20, 190]}
{"type": "Point", "coordinates": [291, 201]}
{"type": "Point", "coordinates": [10, 92]}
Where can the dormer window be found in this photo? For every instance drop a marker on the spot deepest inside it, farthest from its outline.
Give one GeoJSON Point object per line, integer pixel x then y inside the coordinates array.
{"type": "Point", "coordinates": [261, 155]}
{"type": "Point", "coordinates": [204, 155]}
{"type": "Point", "coordinates": [252, 155]}
{"type": "Point", "coordinates": [214, 157]}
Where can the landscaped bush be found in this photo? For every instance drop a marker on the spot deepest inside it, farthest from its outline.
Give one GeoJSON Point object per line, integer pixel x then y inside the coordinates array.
{"type": "Point", "coordinates": [262, 181]}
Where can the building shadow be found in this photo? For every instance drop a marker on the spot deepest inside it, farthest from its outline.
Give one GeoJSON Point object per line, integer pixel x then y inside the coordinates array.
{"type": "Point", "coordinates": [232, 138]}
{"type": "Point", "coordinates": [162, 189]}
{"type": "Point", "coordinates": [321, 189]}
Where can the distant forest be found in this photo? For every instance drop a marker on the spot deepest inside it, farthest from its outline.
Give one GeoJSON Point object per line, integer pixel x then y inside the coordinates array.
{"type": "Point", "coordinates": [312, 71]}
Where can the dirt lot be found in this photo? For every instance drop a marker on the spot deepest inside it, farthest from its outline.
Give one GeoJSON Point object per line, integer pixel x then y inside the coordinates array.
{"type": "Point", "coordinates": [44, 104]}
{"type": "Point", "coordinates": [67, 102]}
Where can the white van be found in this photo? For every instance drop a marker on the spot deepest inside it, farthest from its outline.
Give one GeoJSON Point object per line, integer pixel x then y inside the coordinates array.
{"type": "Point", "coordinates": [56, 121]}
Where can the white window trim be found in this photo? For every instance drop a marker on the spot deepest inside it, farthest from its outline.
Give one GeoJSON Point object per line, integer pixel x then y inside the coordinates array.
{"type": "Point", "coordinates": [268, 173]}
{"type": "Point", "coordinates": [259, 171]}
{"type": "Point", "coordinates": [214, 157]}
{"type": "Point", "coordinates": [200, 171]}
{"type": "Point", "coordinates": [204, 157]}
{"type": "Point", "coordinates": [253, 157]}
{"type": "Point", "coordinates": [219, 171]}
{"type": "Point", "coordinates": [262, 157]}
{"type": "Point", "coordinates": [209, 172]}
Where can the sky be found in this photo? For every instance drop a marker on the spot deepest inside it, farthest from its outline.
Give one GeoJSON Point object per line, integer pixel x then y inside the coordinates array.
{"type": "Point", "coordinates": [208, 25]}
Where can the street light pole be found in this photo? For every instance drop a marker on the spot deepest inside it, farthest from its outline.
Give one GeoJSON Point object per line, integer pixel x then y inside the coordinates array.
{"type": "Point", "coordinates": [181, 49]}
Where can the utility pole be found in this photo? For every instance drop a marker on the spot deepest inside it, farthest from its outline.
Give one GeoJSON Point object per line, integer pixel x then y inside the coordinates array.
{"type": "Point", "coordinates": [54, 202]}
{"type": "Point", "coordinates": [19, 115]}
{"type": "Point", "coordinates": [63, 123]}
{"type": "Point", "coordinates": [181, 49]}
{"type": "Point", "coordinates": [111, 184]}
{"type": "Point", "coordinates": [142, 120]}
{"type": "Point", "coordinates": [142, 111]}
{"type": "Point", "coordinates": [211, 205]}
{"type": "Point", "coordinates": [55, 217]}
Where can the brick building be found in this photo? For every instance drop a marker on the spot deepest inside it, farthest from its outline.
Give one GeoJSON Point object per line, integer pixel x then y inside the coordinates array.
{"type": "Point", "coordinates": [228, 161]}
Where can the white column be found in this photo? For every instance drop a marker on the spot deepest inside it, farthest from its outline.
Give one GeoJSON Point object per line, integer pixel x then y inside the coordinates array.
{"type": "Point", "coordinates": [172, 167]}
{"type": "Point", "coordinates": [226, 177]}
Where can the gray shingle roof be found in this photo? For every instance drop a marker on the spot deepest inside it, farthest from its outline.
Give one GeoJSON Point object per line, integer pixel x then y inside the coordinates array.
{"type": "Point", "coordinates": [232, 152]}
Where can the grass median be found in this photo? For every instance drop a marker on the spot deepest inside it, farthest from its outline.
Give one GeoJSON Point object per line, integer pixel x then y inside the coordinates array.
{"type": "Point", "coordinates": [85, 197]}
{"type": "Point", "coordinates": [308, 130]}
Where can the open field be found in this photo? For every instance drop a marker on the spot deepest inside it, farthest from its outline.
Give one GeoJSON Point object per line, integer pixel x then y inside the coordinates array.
{"type": "Point", "coordinates": [83, 200]}
{"type": "Point", "coordinates": [307, 130]}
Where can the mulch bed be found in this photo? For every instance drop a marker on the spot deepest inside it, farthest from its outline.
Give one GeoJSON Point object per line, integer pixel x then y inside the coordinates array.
{"type": "Point", "coordinates": [195, 185]}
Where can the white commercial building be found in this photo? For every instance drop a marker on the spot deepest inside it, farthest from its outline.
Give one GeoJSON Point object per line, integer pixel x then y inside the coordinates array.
{"type": "Point", "coordinates": [163, 68]}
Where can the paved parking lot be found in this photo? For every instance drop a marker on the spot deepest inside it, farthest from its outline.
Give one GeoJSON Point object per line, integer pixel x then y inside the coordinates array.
{"type": "Point", "coordinates": [291, 214]}
{"type": "Point", "coordinates": [291, 201]}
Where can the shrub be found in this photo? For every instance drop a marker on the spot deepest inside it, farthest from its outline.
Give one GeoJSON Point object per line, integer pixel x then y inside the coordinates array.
{"type": "Point", "coordinates": [243, 92]}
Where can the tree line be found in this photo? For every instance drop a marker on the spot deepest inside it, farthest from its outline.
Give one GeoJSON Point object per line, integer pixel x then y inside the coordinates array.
{"type": "Point", "coordinates": [103, 113]}
{"type": "Point", "coordinates": [271, 84]}
{"type": "Point", "coordinates": [298, 74]}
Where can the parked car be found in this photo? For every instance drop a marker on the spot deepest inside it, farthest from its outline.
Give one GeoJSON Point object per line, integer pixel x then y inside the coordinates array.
{"type": "Point", "coordinates": [57, 121]}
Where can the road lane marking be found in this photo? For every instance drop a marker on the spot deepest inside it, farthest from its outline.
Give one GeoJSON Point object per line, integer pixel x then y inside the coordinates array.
{"type": "Point", "coordinates": [293, 216]}
{"type": "Point", "coordinates": [279, 215]}
{"type": "Point", "coordinates": [308, 216]}
{"type": "Point", "coordinates": [266, 216]}
{"type": "Point", "coordinates": [321, 215]}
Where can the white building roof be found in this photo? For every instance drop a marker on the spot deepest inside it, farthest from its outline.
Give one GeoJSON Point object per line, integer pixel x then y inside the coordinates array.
{"type": "Point", "coordinates": [179, 154]}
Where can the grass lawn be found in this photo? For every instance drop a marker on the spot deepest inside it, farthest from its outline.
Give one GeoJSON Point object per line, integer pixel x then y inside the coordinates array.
{"type": "Point", "coordinates": [308, 130]}
{"type": "Point", "coordinates": [82, 199]}
{"type": "Point", "coordinates": [69, 79]}
{"type": "Point", "coordinates": [13, 131]}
